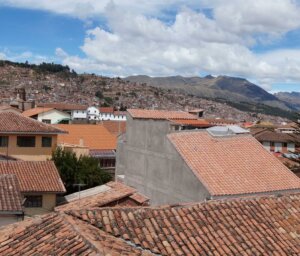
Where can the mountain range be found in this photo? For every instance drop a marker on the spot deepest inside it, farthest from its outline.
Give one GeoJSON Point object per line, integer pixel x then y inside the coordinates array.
{"type": "Point", "coordinates": [234, 90]}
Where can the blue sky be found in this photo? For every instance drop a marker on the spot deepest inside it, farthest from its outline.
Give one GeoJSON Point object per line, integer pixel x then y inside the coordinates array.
{"type": "Point", "coordinates": [258, 40]}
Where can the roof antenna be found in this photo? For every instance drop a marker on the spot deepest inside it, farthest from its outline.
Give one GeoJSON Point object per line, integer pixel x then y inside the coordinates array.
{"type": "Point", "coordinates": [79, 185]}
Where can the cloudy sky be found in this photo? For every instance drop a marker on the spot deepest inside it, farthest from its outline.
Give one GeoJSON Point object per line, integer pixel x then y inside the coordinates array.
{"type": "Point", "coordinates": [255, 39]}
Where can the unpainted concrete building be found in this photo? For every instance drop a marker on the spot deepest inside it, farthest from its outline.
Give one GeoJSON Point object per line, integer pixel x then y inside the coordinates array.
{"type": "Point", "coordinates": [171, 166]}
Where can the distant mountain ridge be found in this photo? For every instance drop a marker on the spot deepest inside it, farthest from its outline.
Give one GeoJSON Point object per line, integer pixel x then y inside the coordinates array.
{"type": "Point", "coordinates": [291, 97]}
{"type": "Point", "coordinates": [233, 89]}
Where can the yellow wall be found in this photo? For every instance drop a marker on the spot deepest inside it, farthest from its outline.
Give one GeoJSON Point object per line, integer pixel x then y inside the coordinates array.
{"type": "Point", "coordinates": [49, 202]}
{"type": "Point", "coordinates": [37, 153]}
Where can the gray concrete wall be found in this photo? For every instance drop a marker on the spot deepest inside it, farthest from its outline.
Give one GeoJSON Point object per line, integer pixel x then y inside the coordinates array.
{"type": "Point", "coordinates": [152, 165]}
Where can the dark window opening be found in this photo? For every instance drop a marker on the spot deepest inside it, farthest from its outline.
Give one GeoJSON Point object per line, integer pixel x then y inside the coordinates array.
{"type": "Point", "coordinates": [46, 121]}
{"type": "Point", "coordinates": [3, 141]}
{"type": "Point", "coordinates": [107, 162]}
{"type": "Point", "coordinates": [26, 141]}
{"type": "Point", "coordinates": [33, 201]}
{"type": "Point", "coordinates": [46, 142]}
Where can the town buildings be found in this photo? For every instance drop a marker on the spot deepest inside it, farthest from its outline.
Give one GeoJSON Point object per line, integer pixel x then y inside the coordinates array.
{"type": "Point", "coordinates": [172, 166]}
{"type": "Point", "coordinates": [26, 139]}
{"type": "Point", "coordinates": [76, 111]}
{"type": "Point", "coordinates": [47, 115]}
{"type": "Point", "coordinates": [39, 184]}
{"type": "Point", "coordinates": [90, 139]}
{"type": "Point", "coordinates": [277, 142]}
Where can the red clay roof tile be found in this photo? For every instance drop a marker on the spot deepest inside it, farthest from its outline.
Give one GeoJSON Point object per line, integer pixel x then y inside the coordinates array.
{"type": "Point", "coordinates": [116, 194]}
{"type": "Point", "coordinates": [59, 234]}
{"type": "Point", "coordinates": [241, 226]}
{"type": "Point", "coordinates": [16, 123]}
{"type": "Point", "coordinates": [159, 114]}
{"type": "Point", "coordinates": [34, 176]}
{"type": "Point", "coordinates": [10, 196]}
{"type": "Point", "coordinates": [232, 165]}
{"type": "Point", "coordinates": [92, 136]}
{"type": "Point", "coordinates": [35, 111]}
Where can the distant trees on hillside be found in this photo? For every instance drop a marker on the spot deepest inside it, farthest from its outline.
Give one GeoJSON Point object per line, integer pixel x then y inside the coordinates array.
{"type": "Point", "coordinates": [43, 67]}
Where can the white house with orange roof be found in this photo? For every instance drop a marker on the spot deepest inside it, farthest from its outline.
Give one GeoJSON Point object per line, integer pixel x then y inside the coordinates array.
{"type": "Point", "coordinates": [47, 115]}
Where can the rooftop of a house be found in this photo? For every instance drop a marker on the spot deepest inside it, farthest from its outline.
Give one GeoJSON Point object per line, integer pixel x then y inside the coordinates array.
{"type": "Point", "coordinates": [264, 134]}
{"type": "Point", "coordinates": [115, 127]}
{"type": "Point", "coordinates": [110, 194]}
{"type": "Point", "coordinates": [233, 164]}
{"type": "Point", "coordinates": [120, 113]}
{"type": "Point", "coordinates": [159, 114]}
{"type": "Point", "coordinates": [201, 123]}
{"type": "Point", "coordinates": [9, 108]}
{"type": "Point", "coordinates": [220, 121]}
{"type": "Point", "coordinates": [267, 225]}
{"type": "Point", "coordinates": [35, 111]}
{"type": "Point", "coordinates": [10, 195]}
{"type": "Point", "coordinates": [34, 176]}
{"type": "Point", "coordinates": [63, 106]}
{"type": "Point", "coordinates": [109, 110]}
{"type": "Point", "coordinates": [89, 135]}
{"type": "Point", "coordinates": [13, 123]}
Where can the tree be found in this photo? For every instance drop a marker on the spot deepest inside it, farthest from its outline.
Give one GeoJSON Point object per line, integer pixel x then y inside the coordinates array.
{"type": "Point", "coordinates": [99, 94]}
{"type": "Point", "coordinates": [73, 170]}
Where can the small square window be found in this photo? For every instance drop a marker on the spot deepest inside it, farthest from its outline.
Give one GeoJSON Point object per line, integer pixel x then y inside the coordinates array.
{"type": "Point", "coordinates": [33, 201]}
{"type": "Point", "coordinates": [46, 142]}
{"type": "Point", "coordinates": [3, 141]}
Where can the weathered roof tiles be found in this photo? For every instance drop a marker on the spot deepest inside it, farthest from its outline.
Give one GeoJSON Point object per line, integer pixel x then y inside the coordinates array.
{"type": "Point", "coordinates": [159, 114]}
{"type": "Point", "coordinates": [13, 123]}
{"type": "Point", "coordinates": [233, 165]}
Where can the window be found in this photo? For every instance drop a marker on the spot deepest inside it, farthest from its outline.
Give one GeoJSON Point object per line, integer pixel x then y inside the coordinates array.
{"type": "Point", "coordinates": [46, 121]}
{"type": "Point", "coordinates": [26, 141]}
{"type": "Point", "coordinates": [46, 142]}
{"type": "Point", "coordinates": [33, 201]}
{"type": "Point", "coordinates": [3, 141]}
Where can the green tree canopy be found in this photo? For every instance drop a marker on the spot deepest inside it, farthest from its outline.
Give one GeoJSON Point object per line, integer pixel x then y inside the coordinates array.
{"type": "Point", "coordinates": [73, 170]}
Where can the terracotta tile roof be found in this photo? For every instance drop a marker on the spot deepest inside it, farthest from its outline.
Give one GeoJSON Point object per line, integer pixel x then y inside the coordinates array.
{"type": "Point", "coordinates": [233, 165]}
{"type": "Point", "coordinates": [271, 135]}
{"type": "Point", "coordinates": [260, 226]}
{"type": "Point", "coordinates": [220, 121]}
{"type": "Point", "coordinates": [120, 113]}
{"type": "Point", "coordinates": [63, 106]}
{"type": "Point", "coordinates": [9, 108]}
{"type": "Point", "coordinates": [112, 194]}
{"type": "Point", "coordinates": [59, 234]}
{"type": "Point", "coordinates": [159, 114]}
{"type": "Point", "coordinates": [93, 136]}
{"type": "Point", "coordinates": [115, 127]}
{"type": "Point", "coordinates": [16, 123]}
{"type": "Point", "coordinates": [10, 196]}
{"type": "Point", "coordinates": [34, 176]}
{"type": "Point", "coordinates": [106, 110]}
{"type": "Point", "coordinates": [195, 123]}
{"type": "Point", "coordinates": [35, 111]}
{"type": "Point", "coordinates": [263, 226]}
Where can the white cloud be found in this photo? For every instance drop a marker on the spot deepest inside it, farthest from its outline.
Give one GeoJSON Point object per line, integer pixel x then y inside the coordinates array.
{"type": "Point", "coordinates": [3, 56]}
{"type": "Point", "coordinates": [139, 42]}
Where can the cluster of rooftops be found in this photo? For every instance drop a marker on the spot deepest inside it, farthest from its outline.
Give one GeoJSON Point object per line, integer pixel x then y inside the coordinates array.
{"type": "Point", "coordinates": [117, 219]}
